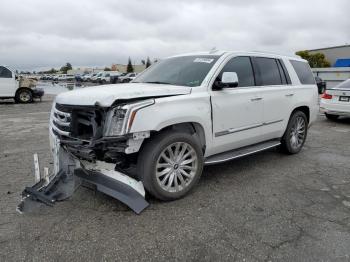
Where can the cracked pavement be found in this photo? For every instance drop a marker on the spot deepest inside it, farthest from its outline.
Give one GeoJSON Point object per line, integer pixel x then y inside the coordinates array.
{"type": "Point", "coordinates": [265, 207]}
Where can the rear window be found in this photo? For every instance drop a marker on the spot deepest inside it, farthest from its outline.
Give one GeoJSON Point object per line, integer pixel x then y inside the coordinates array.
{"type": "Point", "coordinates": [343, 85]}
{"type": "Point", "coordinates": [303, 71]}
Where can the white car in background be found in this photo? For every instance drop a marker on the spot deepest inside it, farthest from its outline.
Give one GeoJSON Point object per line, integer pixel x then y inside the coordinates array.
{"type": "Point", "coordinates": [70, 78]}
{"type": "Point", "coordinates": [95, 77]}
{"type": "Point", "coordinates": [23, 90]}
{"type": "Point", "coordinates": [87, 77]}
{"type": "Point", "coordinates": [335, 101]}
{"type": "Point", "coordinates": [106, 76]}
{"type": "Point", "coordinates": [127, 78]}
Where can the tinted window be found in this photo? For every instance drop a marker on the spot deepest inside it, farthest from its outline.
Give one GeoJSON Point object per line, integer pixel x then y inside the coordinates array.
{"type": "Point", "coordinates": [5, 73]}
{"type": "Point", "coordinates": [269, 71]}
{"type": "Point", "coordinates": [303, 71]}
{"type": "Point", "coordinates": [243, 67]}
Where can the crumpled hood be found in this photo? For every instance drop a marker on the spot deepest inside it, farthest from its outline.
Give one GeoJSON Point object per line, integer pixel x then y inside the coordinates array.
{"type": "Point", "coordinates": [105, 95]}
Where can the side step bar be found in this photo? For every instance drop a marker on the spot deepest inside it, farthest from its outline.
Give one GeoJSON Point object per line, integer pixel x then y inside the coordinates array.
{"type": "Point", "coordinates": [240, 152]}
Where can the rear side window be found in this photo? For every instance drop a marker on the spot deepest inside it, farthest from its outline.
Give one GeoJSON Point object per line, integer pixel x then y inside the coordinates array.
{"type": "Point", "coordinates": [269, 71]}
{"type": "Point", "coordinates": [303, 71]}
{"type": "Point", "coordinates": [5, 73]}
{"type": "Point", "coordinates": [243, 67]}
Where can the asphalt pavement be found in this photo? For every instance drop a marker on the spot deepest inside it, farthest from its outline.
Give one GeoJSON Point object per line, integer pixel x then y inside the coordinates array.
{"type": "Point", "coordinates": [264, 207]}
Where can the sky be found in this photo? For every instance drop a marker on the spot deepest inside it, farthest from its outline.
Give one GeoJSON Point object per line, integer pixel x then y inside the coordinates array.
{"type": "Point", "coordinates": [39, 34]}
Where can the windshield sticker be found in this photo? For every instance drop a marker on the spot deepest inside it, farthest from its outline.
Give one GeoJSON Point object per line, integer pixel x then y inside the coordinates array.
{"type": "Point", "coordinates": [203, 60]}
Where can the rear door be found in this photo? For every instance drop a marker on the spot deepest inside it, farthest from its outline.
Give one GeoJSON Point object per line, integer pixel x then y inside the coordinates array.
{"type": "Point", "coordinates": [237, 111]}
{"type": "Point", "coordinates": [277, 93]}
{"type": "Point", "coordinates": [7, 83]}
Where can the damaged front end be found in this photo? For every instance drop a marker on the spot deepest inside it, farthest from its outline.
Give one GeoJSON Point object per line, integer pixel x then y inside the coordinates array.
{"type": "Point", "coordinates": [91, 144]}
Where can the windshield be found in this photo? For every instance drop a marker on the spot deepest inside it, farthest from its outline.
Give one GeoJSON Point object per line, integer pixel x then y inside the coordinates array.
{"type": "Point", "coordinates": [183, 71]}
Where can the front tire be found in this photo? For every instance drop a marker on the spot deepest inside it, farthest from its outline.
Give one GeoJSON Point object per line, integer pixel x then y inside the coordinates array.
{"type": "Point", "coordinates": [295, 134]}
{"type": "Point", "coordinates": [170, 164]}
{"type": "Point", "coordinates": [24, 96]}
{"type": "Point", "coordinates": [331, 117]}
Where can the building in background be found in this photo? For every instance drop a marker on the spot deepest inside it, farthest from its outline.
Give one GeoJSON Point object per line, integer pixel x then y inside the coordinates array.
{"type": "Point", "coordinates": [338, 56]}
{"type": "Point", "coordinates": [115, 67]}
{"type": "Point", "coordinates": [122, 68]}
{"type": "Point", "coordinates": [332, 75]}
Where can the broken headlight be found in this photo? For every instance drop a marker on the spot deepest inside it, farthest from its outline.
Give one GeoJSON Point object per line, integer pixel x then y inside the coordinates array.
{"type": "Point", "coordinates": [120, 118]}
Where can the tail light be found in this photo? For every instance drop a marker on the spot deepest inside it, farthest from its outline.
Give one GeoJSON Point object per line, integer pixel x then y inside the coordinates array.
{"type": "Point", "coordinates": [326, 96]}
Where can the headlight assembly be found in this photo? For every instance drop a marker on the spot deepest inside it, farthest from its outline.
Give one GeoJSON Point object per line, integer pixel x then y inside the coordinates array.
{"type": "Point", "coordinates": [120, 119]}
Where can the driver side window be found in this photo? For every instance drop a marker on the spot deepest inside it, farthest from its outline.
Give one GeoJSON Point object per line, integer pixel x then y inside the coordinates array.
{"type": "Point", "coordinates": [5, 73]}
{"type": "Point", "coordinates": [243, 67]}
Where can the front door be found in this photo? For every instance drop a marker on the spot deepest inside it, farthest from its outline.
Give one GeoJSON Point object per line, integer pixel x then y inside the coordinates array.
{"type": "Point", "coordinates": [7, 83]}
{"type": "Point", "coordinates": [237, 111]}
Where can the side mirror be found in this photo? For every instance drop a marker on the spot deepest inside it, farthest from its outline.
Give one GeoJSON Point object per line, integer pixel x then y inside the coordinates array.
{"type": "Point", "coordinates": [229, 79]}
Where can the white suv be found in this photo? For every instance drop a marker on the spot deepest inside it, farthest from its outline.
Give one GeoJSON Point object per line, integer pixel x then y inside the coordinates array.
{"type": "Point", "coordinates": [180, 114]}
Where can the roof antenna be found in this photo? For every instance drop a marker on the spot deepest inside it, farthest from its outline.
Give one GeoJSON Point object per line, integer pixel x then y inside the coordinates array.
{"type": "Point", "coordinates": [213, 50]}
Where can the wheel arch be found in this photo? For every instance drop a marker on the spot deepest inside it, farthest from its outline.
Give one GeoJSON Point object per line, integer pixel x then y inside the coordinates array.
{"type": "Point", "coordinates": [23, 88]}
{"type": "Point", "coordinates": [188, 127]}
{"type": "Point", "coordinates": [304, 109]}
{"type": "Point", "coordinates": [20, 89]}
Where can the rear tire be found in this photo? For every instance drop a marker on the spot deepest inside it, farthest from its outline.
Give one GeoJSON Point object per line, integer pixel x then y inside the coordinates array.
{"type": "Point", "coordinates": [170, 164]}
{"type": "Point", "coordinates": [331, 117]}
{"type": "Point", "coordinates": [24, 96]}
{"type": "Point", "coordinates": [295, 134]}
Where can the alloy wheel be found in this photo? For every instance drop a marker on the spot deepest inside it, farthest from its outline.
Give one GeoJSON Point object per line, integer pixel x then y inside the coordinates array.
{"type": "Point", "coordinates": [298, 132]}
{"type": "Point", "coordinates": [176, 167]}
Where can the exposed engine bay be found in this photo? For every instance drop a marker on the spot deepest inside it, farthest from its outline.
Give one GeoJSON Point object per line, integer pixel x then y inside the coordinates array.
{"type": "Point", "coordinates": [95, 133]}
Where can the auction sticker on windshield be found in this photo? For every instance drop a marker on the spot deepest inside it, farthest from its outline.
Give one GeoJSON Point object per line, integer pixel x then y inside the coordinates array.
{"type": "Point", "coordinates": [203, 60]}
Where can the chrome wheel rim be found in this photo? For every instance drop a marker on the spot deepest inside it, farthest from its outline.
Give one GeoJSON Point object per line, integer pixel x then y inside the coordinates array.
{"type": "Point", "coordinates": [24, 96]}
{"type": "Point", "coordinates": [176, 167]}
{"type": "Point", "coordinates": [297, 133]}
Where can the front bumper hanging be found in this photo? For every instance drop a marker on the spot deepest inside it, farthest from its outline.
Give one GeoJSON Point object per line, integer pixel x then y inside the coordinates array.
{"type": "Point", "coordinates": [48, 190]}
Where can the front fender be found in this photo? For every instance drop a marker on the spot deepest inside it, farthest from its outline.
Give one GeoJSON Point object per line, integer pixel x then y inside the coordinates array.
{"type": "Point", "coordinates": [194, 108]}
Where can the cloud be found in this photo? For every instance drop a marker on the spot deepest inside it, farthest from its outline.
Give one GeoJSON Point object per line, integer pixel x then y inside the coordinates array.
{"type": "Point", "coordinates": [39, 33]}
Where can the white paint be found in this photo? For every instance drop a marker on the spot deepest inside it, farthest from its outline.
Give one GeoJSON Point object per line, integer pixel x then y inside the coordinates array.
{"type": "Point", "coordinates": [8, 86]}
{"type": "Point", "coordinates": [231, 109]}
{"type": "Point", "coordinates": [334, 106]}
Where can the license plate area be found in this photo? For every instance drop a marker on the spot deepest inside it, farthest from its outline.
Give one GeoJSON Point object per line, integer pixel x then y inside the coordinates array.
{"type": "Point", "coordinates": [344, 98]}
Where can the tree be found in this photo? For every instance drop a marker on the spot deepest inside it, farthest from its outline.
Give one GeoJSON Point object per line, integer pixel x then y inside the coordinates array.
{"type": "Point", "coordinates": [129, 68]}
{"type": "Point", "coordinates": [65, 68]}
{"type": "Point", "coordinates": [148, 62]}
{"type": "Point", "coordinates": [51, 71]}
{"type": "Point", "coordinates": [107, 69]}
{"type": "Point", "coordinates": [315, 60]}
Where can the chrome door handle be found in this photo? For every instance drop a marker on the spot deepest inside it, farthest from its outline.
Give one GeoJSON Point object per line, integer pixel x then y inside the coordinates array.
{"type": "Point", "coordinates": [289, 95]}
{"type": "Point", "coordinates": [256, 99]}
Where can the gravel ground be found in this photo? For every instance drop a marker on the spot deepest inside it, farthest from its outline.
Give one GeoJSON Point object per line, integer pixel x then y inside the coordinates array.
{"type": "Point", "coordinates": [265, 207]}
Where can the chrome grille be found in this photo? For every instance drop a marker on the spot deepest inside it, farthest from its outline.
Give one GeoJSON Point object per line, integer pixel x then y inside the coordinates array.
{"type": "Point", "coordinates": [61, 121]}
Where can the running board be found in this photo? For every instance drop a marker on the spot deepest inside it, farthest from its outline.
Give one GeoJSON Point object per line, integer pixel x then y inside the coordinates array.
{"type": "Point", "coordinates": [240, 152]}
